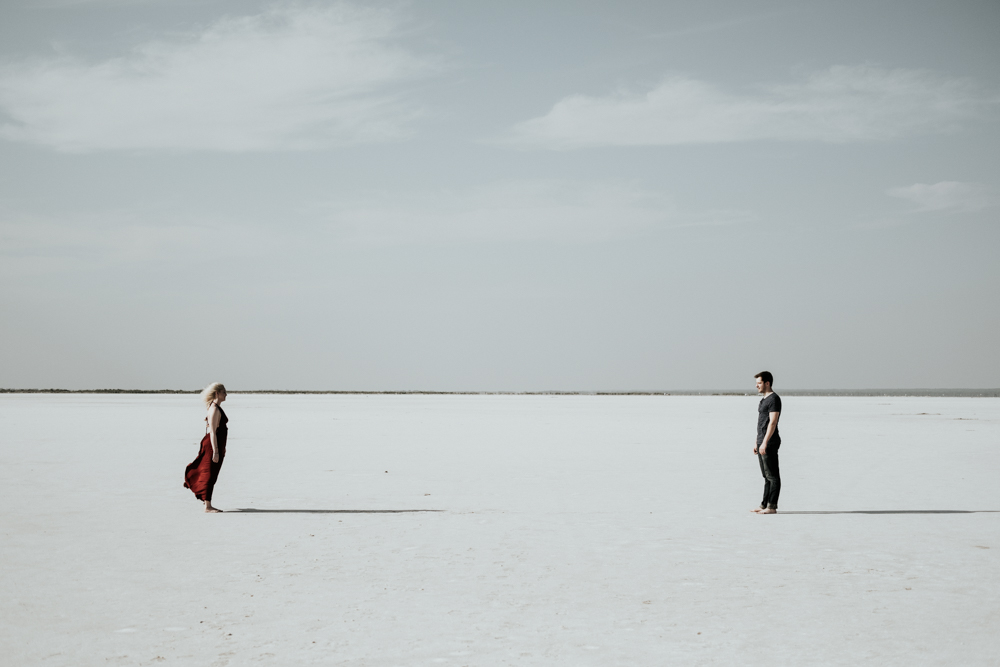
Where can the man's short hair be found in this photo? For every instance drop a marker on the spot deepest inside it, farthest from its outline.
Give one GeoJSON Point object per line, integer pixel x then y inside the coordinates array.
{"type": "Point", "coordinates": [766, 377]}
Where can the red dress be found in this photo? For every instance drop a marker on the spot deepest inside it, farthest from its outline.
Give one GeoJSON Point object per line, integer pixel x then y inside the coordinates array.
{"type": "Point", "coordinates": [200, 475]}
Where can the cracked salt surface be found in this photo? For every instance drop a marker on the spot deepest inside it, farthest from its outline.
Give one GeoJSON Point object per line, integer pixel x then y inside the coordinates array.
{"type": "Point", "coordinates": [617, 532]}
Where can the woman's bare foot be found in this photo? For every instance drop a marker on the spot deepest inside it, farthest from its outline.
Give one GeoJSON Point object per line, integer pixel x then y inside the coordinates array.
{"type": "Point", "coordinates": [211, 510]}
{"type": "Point", "coordinates": [769, 510]}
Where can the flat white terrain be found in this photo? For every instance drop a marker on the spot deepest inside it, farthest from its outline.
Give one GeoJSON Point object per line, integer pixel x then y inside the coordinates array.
{"type": "Point", "coordinates": [567, 530]}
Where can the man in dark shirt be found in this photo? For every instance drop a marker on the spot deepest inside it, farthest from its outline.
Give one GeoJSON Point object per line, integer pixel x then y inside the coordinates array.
{"type": "Point", "coordinates": [767, 443]}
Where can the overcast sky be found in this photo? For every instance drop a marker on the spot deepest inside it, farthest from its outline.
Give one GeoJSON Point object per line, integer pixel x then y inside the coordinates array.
{"type": "Point", "coordinates": [456, 195]}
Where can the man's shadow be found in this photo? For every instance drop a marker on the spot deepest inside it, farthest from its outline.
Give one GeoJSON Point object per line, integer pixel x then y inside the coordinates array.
{"type": "Point", "coordinates": [893, 512]}
{"type": "Point", "coordinates": [253, 510]}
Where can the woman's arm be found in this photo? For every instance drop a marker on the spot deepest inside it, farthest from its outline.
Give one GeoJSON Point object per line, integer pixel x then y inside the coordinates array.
{"type": "Point", "coordinates": [213, 423]}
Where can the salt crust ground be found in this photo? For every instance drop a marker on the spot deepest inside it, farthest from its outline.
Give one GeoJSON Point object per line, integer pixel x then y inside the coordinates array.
{"type": "Point", "coordinates": [573, 530]}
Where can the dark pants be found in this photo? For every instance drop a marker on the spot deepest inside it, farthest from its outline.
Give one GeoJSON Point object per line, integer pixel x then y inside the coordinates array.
{"type": "Point", "coordinates": [772, 478]}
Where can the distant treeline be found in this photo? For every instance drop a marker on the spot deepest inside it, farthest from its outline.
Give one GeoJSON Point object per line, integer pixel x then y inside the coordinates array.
{"type": "Point", "coordinates": [100, 391]}
{"type": "Point", "coordinates": [713, 392]}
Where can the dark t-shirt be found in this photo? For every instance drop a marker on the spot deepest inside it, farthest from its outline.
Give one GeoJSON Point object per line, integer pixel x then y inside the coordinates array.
{"type": "Point", "coordinates": [768, 405]}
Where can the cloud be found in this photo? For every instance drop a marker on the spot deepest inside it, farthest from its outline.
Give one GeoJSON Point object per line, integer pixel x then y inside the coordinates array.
{"type": "Point", "coordinates": [842, 104]}
{"type": "Point", "coordinates": [291, 78]}
{"type": "Point", "coordinates": [33, 244]}
{"type": "Point", "coordinates": [533, 210]}
{"type": "Point", "coordinates": [514, 211]}
{"type": "Point", "coordinates": [60, 4]}
{"type": "Point", "coordinates": [945, 196]}
{"type": "Point", "coordinates": [736, 21]}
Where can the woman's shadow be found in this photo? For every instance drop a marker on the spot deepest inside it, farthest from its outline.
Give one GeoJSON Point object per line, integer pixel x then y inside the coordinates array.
{"type": "Point", "coordinates": [253, 510]}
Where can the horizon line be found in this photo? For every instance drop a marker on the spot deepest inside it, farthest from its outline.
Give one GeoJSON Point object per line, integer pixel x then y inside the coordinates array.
{"type": "Point", "coordinates": [897, 392]}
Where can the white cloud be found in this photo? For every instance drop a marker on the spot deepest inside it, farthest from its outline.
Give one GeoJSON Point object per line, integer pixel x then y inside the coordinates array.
{"type": "Point", "coordinates": [59, 4]}
{"type": "Point", "coordinates": [945, 196]}
{"type": "Point", "coordinates": [31, 244]}
{"type": "Point", "coordinates": [518, 211]}
{"type": "Point", "coordinates": [842, 104]}
{"type": "Point", "coordinates": [292, 78]}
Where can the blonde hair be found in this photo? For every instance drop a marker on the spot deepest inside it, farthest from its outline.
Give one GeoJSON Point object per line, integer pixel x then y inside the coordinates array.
{"type": "Point", "coordinates": [211, 391]}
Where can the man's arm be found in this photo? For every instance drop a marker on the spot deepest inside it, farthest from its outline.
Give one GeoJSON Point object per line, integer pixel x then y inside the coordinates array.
{"type": "Point", "coordinates": [772, 425]}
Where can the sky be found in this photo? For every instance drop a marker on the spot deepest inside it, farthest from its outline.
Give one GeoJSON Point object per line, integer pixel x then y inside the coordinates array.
{"type": "Point", "coordinates": [519, 196]}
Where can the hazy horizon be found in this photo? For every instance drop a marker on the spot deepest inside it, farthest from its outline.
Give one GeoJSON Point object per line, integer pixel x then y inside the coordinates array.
{"type": "Point", "coordinates": [984, 392]}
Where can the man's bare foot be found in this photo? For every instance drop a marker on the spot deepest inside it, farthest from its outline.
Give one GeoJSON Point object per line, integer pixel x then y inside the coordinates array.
{"type": "Point", "coordinates": [757, 510]}
{"type": "Point", "coordinates": [769, 510]}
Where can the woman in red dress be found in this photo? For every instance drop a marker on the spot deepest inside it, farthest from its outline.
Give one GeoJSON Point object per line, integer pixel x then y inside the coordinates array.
{"type": "Point", "coordinates": [201, 474]}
